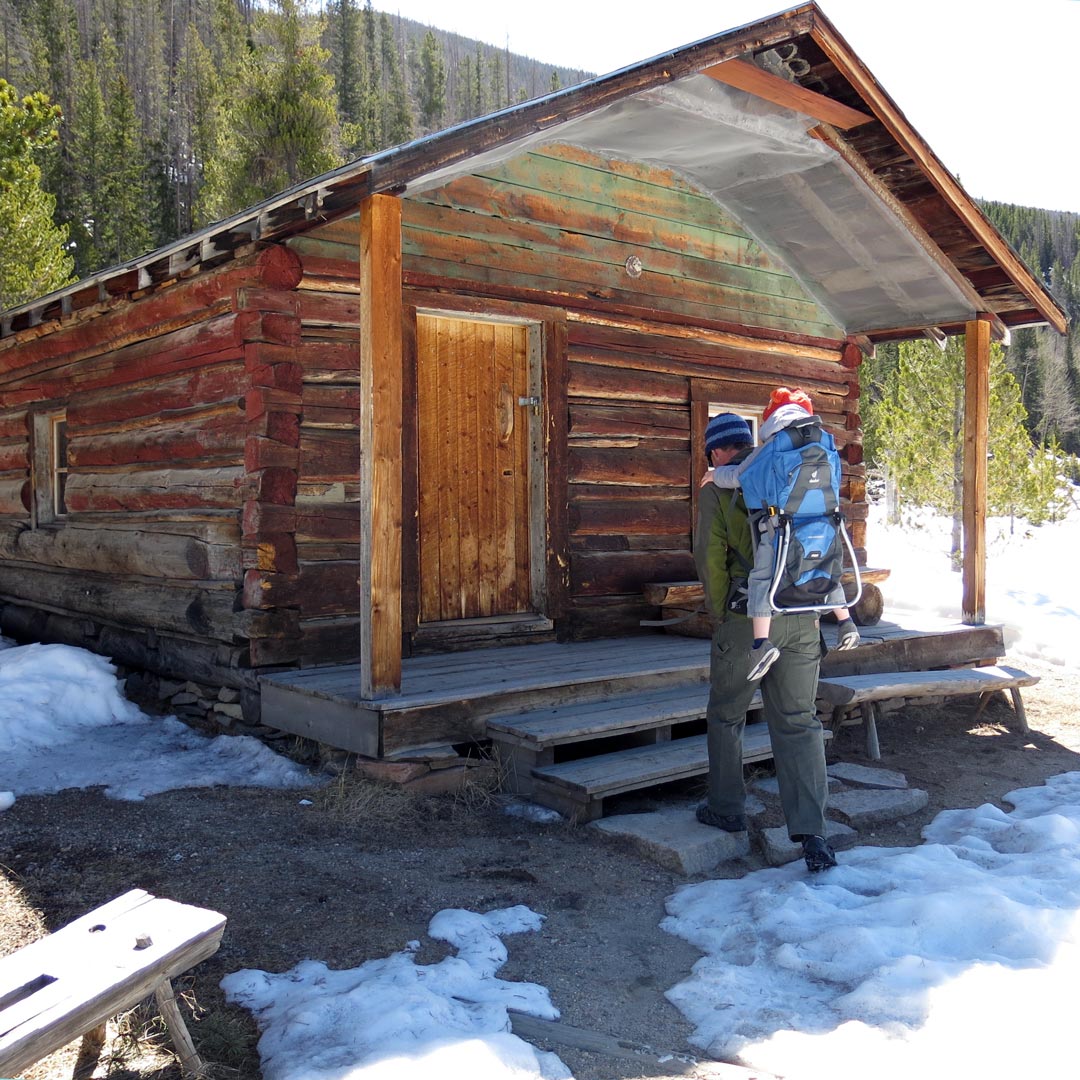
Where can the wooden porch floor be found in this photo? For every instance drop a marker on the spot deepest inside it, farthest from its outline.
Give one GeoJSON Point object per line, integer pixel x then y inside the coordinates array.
{"type": "Point", "coordinates": [447, 698]}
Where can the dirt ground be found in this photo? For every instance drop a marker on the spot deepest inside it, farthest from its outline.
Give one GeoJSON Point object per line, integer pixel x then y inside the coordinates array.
{"type": "Point", "coordinates": [359, 873]}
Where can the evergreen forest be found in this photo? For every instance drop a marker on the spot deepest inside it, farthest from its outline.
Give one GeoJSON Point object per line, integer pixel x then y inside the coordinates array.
{"type": "Point", "coordinates": [126, 124]}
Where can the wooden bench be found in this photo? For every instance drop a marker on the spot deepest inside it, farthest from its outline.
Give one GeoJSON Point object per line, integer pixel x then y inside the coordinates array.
{"type": "Point", "coordinates": [682, 603]}
{"type": "Point", "coordinates": [68, 984]}
{"type": "Point", "coordinates": [846, 693]}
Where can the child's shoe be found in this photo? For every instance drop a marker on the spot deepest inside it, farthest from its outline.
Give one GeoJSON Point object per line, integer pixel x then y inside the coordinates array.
{"type": "Point", "coordinates": [762, 657]}
{"type": "Point", "coordinates": [847, 636]}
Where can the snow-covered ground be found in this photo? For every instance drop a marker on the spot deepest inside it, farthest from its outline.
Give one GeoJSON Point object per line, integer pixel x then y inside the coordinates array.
{"type": "Point", "coordinates": [956, 958]}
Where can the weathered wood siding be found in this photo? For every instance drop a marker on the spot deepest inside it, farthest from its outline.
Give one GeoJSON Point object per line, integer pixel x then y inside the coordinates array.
{"type": "Point", "coordinates": [555, 229]}
{"type": "Point", "coordinates": [631, 466]}
{"type": "Point", "coordinates": [174, 439]}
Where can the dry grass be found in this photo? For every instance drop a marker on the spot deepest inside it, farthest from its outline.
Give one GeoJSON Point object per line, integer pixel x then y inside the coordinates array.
{"type": "Point", "coordinates": [356, 799]}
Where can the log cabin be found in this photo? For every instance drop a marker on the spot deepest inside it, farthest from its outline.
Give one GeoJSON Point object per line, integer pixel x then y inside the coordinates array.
{"type": "Point", "coordinates": [451, 395]}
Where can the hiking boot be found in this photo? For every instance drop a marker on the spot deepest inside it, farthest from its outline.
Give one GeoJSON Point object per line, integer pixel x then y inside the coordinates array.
{"type": "Point", "coordinates": [818, 854]}
{"type": "Point", "coordinates": [762, 657]}
{"type": "Point", "coordinates": [847, 636]}
{"type": "Point", "coordinates": [727, 822]}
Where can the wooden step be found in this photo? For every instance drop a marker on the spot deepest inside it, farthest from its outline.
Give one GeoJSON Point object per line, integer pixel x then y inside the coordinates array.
{"type": "Point", "coordinates": [620, 714]}
{"type": "Point", "coordinates": [578, 788]}
{"type": "Point", "coordinates": [529, 739]}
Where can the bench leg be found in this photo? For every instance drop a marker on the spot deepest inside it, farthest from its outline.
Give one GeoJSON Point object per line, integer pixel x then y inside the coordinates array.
{"type": "Point", "coordinates": [984, 700]}
{"type": "Point", "coordinates": [873, 750]}
{"type": "Point", "coordinates": [89, 1052]}
{"type": "Point", "coordinates": [190, 1061]}
{"type": "Point", "coordinates": [1018, 708]}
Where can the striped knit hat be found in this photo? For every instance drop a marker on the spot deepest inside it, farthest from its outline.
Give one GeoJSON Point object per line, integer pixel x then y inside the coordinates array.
{"type": "Point", "coordinates": [727, 429]}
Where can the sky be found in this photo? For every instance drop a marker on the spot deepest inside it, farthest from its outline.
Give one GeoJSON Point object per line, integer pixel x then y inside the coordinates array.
{"type": "Point", "coordinates": [956, 957]}
{"type": "Point", "coordinates": [986, 82]}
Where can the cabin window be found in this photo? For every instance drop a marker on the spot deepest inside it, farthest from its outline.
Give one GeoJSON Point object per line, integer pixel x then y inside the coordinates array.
{"type": "Point", "coordinates": [751, 416]}
{"type": "Point", "coordinates": [706, 401]}
{"type": "Point", "coordinates": [50, 467]}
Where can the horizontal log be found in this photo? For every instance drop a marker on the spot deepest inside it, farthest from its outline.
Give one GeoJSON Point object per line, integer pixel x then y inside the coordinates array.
{"type": "Point", "coordinates": [99, 411]}
{"type": "Point", "coordinates": [590, 380]}
{"type": "Point", "coordinates": [670, 250]}
{"type": "Point", "coordinates": [765, 373]}
{"type": "Point", "coordinates": [318, 589]}
{"type": "Point", "coordinates": [620, 573]}
{"type": "Point", "coordinates": [155, 489]}
{"type": "Point", "coordinates": [123, 552]}
{"type": "Point", "coordinates": [571, 287]}
{"type": "Point", "coordinates": [212, 663]}
{"type": "Point", "coordinates": [328, 641]}
{"type": "Point", "coordinates": [330, 309]}
{"type": "Point", "coordinates": [261, 453]}
{"type": "Point", "coordinates": [340, 522]}
{"type": "Point", "coordinates": [212, 436]}
{"type": "Point", "coordinates": [329, 359]}
{"type": "Point", "coordinates": [15, 425]}
{"type": "Point", "coordinates": [632, 515]}
{"type": "Point", "coordinates": [677, 541]}
{"type": "Point", "coordinates": [117, 318]}
{"type": "Point", "coordinates": [15, 457]}
{"type": "Point", "coordinates": [200, 610]}
{"type": "Point", "coordinates": [329, 454]}
{"type": "Point", "coordinates": [605, 616]}
{"type": "Point", "coordinates": [629, 467]}
{"type": "Point", "coordinates": [744, 350]}
{"type": "Point", "coordinates": [682, 593]}
{"type": "Point", "coordinates": [638, 421]}
{"type": "Point", "coordinates": [333, 419]}
{"type": "Point", "coordinates": [15, 496]}
{"type": "Point", "coordinates": [273, 552]}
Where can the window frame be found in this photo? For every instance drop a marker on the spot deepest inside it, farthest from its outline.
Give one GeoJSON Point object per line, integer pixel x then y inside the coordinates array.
{"type": "Point", "coordinates": [50, 467]}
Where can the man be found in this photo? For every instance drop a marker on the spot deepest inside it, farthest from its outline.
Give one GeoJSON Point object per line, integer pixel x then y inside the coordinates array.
{"type": "Point", "coordinates": [723, 551]}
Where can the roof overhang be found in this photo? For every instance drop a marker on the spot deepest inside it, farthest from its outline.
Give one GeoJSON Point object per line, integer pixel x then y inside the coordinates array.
{"type": "Point", "coordinates": [777, 121]}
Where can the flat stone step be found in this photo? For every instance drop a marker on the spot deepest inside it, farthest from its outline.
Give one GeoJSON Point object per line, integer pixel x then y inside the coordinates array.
{"type": "Point", "coordinates": [578, 788]}
{"type": "Point", "coordinates": [618, 715]}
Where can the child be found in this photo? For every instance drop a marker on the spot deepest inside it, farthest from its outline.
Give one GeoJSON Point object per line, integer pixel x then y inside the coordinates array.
{"type": "Point", "coordinates": [785, 406]}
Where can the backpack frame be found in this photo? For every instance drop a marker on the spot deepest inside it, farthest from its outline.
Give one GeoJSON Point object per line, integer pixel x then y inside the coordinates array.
{"type": "Point", "coordinates": [795, 481]}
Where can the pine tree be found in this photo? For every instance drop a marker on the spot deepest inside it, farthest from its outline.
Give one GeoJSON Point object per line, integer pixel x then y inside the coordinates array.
{"type": "Point", "coordinates": [85, 145]}
{"type": "Point", "coordinates": [431, 83]}
{"type": "Point", "coordinates": [344, 25]}
{"type": "Point", "coordinates": [916, 430]}
{"type": "Point", "coordinates": [282, 127]}
{"type": "Point", "coordinates": [397, 124]}
{"type": "Point", "coordinates": [33, 255]}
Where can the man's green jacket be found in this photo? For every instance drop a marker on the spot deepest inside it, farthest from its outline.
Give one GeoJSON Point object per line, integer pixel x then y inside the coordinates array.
{"type": "Point", "coordinates": [723, 548]}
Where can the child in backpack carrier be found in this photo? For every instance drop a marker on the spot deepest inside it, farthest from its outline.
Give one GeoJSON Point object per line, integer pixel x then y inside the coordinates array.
{"type": "Point", "coordinates": [786, 408]}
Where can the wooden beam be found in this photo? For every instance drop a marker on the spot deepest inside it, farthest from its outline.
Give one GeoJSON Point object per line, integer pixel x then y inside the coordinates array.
{"type": "Point", "coordinates": [763, 84]}
{"type": "Point", "coordinates": [851, 68]}
{"type": "Point", "coordinates": [380, 445]}
{"type": "Point", "coordinates": [976, 440]}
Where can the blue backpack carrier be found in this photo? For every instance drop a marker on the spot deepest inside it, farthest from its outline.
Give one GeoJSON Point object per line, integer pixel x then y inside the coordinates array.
{"type": "Point", "coordinates": [795, 480]}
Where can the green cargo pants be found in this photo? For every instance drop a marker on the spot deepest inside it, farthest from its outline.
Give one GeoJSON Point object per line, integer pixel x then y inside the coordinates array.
{"type": "Point", "coordinates": [788, 691]}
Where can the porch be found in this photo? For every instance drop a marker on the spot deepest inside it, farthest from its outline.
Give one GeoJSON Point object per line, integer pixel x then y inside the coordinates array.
{"type": "Point", "coordinates": [575, 722]}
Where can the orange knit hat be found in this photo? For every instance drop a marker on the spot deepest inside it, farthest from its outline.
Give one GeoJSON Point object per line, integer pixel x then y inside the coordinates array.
{"type": "Point", "coordinates": [783, 396]}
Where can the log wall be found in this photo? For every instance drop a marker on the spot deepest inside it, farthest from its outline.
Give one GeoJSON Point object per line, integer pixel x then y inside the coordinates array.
{"type": "Point", "coordinates": [178, 432]}
{"type": "Point", "coordinates": [555, 229]}
{"type": "Point", "coordinates": [213, 523]}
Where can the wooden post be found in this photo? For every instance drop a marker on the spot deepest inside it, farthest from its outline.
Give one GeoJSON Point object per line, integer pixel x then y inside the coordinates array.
{"type": "Point", "coordinates": [380, 445]}
{"type": "Point", "coordinates": [976, 445]}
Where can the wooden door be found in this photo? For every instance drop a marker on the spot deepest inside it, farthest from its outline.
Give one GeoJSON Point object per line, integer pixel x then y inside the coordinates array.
{"type": "Point", "coordinates": [473, 436]}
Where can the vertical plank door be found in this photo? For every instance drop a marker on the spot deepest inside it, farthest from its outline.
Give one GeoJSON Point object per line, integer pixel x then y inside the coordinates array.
{"type": "Point", "coordinates": [473, 442]}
